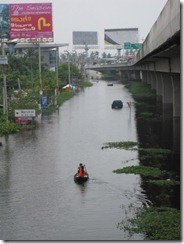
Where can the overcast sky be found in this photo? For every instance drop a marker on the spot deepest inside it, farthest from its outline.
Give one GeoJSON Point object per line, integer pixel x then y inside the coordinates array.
{"type": "Point", "coordinates": [97, 15]}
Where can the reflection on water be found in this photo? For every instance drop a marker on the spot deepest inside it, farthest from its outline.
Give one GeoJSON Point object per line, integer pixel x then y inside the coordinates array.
{"type": "Point", "coordinates": [39, 199]}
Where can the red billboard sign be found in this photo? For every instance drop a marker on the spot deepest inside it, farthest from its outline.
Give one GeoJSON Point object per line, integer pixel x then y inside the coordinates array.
{"type": "Point", "coordinates": [32, 21]}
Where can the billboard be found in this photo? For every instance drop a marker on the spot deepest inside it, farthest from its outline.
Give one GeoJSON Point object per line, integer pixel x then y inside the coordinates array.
{"type": "Point", "coordinates": [85, 37]}
{"type": "Point", "coordinates": [29, 22]}
{"type": "Point", "coordinates": [82, 39]}
{"type": "Point", "coordinates": [117, 37]}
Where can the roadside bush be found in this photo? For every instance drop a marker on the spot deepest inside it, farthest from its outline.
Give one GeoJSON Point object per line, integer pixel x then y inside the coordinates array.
{"type": "Point", "coordinates": [8, 128]}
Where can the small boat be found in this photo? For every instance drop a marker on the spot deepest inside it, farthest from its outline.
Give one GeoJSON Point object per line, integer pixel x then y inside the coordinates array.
{"type": "Point", "coordinates": [79, 179]}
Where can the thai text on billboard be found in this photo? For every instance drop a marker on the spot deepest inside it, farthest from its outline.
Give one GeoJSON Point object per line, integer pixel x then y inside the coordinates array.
{"type": "Point", "coordinates": [30, 21]}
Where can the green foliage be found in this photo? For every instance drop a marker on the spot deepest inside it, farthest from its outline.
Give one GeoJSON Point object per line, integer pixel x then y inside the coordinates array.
{"type": "Point", "coordinates": [154, 154]}
{"type": "Point", "coordinates": [8, 128]}
{"type": "Point", "coordinates": [165, 182]}
{"type": "Point", "coordinates": [63, 73]}
{"type": "Point", "coordinates": [142, 170]}
{"type": "Point", "coordinates": [157, 223]}
{"type": "Point", "coordinates": [3, 117]}
{"type": "Point", "coordinates": [127, 145]}
{"type": "Point", "coordinates": [141, 91]}
{"type": "Point", "coordinates": [23, 68]}
{"type": "Point", "coordinates": [153, 151]}
{"type": "Point", "coordinates": [24, 100]}
{"type": "Point", "coordinates": [85, 84]}
{"type": "Point", "coordinates": [64, 96]}
{"type": "Point", "coordinates": [146, 115]}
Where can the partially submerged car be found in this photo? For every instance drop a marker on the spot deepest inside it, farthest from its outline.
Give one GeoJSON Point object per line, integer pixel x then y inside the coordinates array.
{"type": "Point", "coordinates": [117, 104]}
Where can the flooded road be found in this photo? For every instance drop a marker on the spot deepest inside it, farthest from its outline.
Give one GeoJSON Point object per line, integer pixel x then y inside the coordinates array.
{"type": "Point", "coordinates": [38, 197]}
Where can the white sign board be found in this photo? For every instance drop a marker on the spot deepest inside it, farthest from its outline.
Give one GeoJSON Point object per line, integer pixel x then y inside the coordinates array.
{"type": "Point", "coordinates": [25, 113]}
{"type": "Point", "coordinates": [3, 59]}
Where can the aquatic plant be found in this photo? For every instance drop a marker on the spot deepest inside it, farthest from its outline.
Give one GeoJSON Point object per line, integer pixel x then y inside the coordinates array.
{"type": "Point", "coordinates": [156, 223]}
{"type": "Point", "coordinates": [127, 145]}
{"type": "Point", "coordinates": [142, 170]}
{"type": "Point", "coordinates": [165, 182]}
{"type": "Point", "coordinates": [141, 91]}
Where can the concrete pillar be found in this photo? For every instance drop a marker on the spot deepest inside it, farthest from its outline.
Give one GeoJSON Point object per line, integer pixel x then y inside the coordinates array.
{"type": "Point", "coordinates": [153, 80]}
{"type": "Point", "coordinates": [158, 77]}
{"type": "Point", "coordinates": [148, 77]}
{"type": "Point", "coordinates": [144, 76]}
{"type": "Point", "coordinates": [176, 112]}
{"type": "Point", "coordinates": [175, 78]}
{"type": "Point", "coordinates": [158, 88]}
{"type": "Point", "coordinates": [137, 75]}
{"type": "Point", "coordinates": [167, 94]}
{"type": "Point", "coordinates": [176, 135]}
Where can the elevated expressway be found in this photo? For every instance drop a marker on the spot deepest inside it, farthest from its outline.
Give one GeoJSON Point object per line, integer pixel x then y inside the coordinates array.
{"type": "Point", "coordinates": [158, 60]}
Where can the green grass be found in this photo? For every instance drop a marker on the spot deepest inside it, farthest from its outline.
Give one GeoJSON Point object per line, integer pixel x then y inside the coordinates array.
{"type": "Point", "coordinates": [64, 96]}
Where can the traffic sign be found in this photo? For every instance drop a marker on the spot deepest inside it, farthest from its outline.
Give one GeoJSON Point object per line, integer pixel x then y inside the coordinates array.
{"type": "Point", "coordinates": [136, 45]}
{"type": "Point", "coordinates": [22, 113]}
{"type": "Point", "coordinates": [3, 59]}
{"type": "Point", "coordinates": [127, 45]}
{"type": "Point", "coordinates": [44, 101]}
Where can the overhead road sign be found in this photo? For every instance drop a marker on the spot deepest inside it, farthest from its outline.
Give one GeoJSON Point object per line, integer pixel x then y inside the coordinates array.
{"type": "Point", "coordinates": [136, 45]}
{"type": "Point", "coordinates": [129, 45]}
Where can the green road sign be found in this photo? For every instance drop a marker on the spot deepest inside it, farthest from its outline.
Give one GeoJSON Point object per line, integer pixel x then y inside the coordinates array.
{"type": "Point", "coordinates": [127, 45]}
{"type": "Point", "coordinates": [136, 45]}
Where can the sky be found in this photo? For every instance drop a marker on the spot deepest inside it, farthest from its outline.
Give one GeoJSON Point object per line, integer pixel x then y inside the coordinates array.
{"type": "Point", "coordinates": [97, 15]}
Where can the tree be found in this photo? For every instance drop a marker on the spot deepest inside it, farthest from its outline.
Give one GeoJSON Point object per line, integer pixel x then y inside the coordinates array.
{"type": "Point", "coordinates": [63, 73]}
